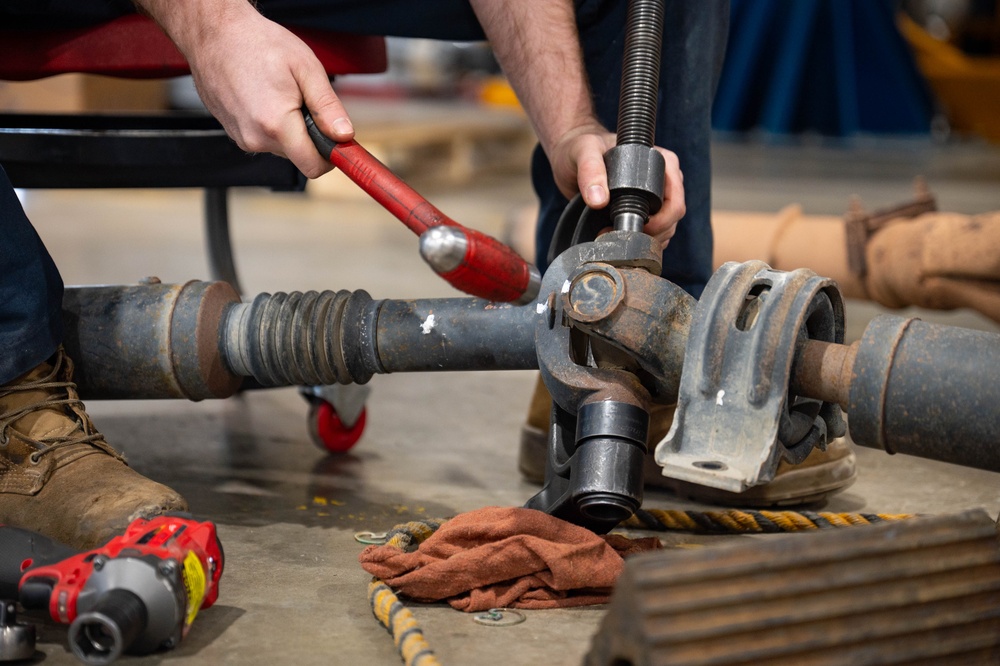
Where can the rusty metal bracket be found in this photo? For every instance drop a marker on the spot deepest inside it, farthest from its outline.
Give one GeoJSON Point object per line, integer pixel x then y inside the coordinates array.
{"type": "Point", "coordinates": [736, 417]}
{"type": "Point", "coordinates": [860, 225]}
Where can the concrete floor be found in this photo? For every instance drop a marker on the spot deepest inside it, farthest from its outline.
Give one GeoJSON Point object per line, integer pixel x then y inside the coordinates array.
{"type": "Point", "coordinates": [436, 444]}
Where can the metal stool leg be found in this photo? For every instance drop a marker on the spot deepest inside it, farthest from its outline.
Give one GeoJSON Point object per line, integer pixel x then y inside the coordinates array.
{"type": "Point", "coordinates": [220, 249]}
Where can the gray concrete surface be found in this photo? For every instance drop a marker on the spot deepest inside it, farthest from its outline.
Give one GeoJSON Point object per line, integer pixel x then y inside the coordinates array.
{"type": "Point", "coordinates": [436, 444]}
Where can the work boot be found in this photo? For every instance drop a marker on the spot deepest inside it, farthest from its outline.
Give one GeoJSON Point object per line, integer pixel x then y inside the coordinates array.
{"type": "Point", "coordinates": [822, 473]}
{"type": "Point", "coordinates": [58, 476]}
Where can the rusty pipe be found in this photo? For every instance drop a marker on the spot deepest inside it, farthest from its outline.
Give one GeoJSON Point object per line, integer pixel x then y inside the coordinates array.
{"type": "Point", "coordinates": [198, 340]}
{"type": "Point", "coordinates": [911, 387]}
{"type": "Point", "coordinates": [823, 370]}
{"type": "Point", "coordinates": [908, 386]}
{"type": "Point", "coordinates": [149, 340]}
{"type": "Point", "coordinates": [938, 260]}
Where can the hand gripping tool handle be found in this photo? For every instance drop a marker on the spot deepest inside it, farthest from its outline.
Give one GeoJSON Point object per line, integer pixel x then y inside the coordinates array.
{"type": "Point", "coordinates": [469, 260]}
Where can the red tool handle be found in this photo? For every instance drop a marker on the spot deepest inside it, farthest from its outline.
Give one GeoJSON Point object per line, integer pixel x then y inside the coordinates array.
{"type": "Point", "coordinates": [489, 269]}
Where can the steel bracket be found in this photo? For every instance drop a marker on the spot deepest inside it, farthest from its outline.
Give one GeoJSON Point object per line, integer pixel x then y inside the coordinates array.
{"type": "Point", "coordinates": [736, 417]}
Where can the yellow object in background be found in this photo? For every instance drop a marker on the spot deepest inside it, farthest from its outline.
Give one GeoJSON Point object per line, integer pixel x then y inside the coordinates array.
{"type": "Point", "coordinates": [495, 91]}
{"type": "Point", "coordinates": [967, 86]}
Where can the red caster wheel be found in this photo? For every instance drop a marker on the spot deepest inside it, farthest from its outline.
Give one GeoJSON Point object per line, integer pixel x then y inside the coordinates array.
{"type": "Point", "coordinates": [327, 430]}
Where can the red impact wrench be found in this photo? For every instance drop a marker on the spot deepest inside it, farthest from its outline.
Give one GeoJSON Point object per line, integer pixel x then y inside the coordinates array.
{"type": "Point", "coordinates": [137, 593]}
{"type": "Point", "coordinates": [468, 259]}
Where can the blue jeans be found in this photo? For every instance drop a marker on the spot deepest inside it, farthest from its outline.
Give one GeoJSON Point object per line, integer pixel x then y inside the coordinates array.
{"type": "Point", "coordinates": [30, 291]}
{"type": "Point", "coordinates": [693, 48]}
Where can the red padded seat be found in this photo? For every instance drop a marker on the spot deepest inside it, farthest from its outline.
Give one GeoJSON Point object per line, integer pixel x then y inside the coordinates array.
{"type": "Point", "coordinates": [133, 46]}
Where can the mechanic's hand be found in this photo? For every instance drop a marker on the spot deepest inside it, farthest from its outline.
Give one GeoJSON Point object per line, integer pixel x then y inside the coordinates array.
{"type": "Point", "coordinates": [254, 76]}
{"type": "Point", "coordinates": [578, 166]}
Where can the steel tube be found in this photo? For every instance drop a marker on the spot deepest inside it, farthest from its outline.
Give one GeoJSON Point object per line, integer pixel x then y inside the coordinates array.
{"type": "Point", "coordinates": [455, 334]}
{"type": "Point", "coordinates": [197, 340]}
{"type": "Point", "coordinates": [822, 370]}
{"type": "Point", "coordinates": [927, 390]}
{"type": "Point", "coordinates": [149, 340]}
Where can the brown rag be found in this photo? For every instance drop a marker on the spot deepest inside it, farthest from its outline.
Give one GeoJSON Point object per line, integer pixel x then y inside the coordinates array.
{"type": "Point", "coordinates": [501, 556]}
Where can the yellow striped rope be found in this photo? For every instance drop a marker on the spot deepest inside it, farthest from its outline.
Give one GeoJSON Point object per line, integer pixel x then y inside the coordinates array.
{"type": "Point", "coordinates": [397, 618]}
{"type": "Point", "coordinates": [764, 522]}
{"type": "Point", "coordinates": [408, 536]}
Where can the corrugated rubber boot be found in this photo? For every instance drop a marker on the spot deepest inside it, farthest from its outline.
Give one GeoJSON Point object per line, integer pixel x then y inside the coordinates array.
{"type": "Point", "coordinates": [57, 474]}
{"type": "Point", "coordinates": [821, 474]}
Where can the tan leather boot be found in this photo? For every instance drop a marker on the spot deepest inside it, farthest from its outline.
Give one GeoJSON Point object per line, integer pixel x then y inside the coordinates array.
{"type": "Point", "coordinates": [821, 474]}
{"type": "Point", "coordinates": [57, 474]}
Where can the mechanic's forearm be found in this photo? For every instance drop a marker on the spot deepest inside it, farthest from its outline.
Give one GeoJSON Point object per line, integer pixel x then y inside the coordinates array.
{"type": "Point", "coordinates": [190, 23]}
{"type": "Point", "coordinates": [538, 48]}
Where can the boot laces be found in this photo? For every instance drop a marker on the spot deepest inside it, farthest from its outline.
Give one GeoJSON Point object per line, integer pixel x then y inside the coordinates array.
{"type": "Point", "coordinates": [58, 395]}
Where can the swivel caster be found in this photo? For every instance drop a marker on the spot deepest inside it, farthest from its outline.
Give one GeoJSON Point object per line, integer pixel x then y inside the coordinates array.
{"type": "Point", "coordinates": [337, 416]}
{"type": "Point", "coordinates": [329, 432]}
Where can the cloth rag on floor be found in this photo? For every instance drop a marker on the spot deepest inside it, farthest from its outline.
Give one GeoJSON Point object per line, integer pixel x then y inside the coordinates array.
{"type": "Point", "coordinates": [506, 557]}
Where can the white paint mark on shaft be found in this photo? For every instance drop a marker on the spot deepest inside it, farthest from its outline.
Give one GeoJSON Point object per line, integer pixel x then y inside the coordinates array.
{"type": "Point", "coordinates": [428, 324]}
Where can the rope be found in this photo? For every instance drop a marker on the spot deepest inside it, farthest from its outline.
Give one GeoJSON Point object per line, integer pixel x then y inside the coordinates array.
{"type": "Point", "coordinates": [416, 651]}
{"type": "Point", "coordinates": [741, 522]}
{"type": "Point", "coordinates": [402, 625]}
{"type": "Point", "coordinates": [390, 611]}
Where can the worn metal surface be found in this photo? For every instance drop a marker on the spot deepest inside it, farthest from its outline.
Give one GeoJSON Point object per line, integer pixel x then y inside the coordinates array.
{"type": "Point", "coordinates": [149, 341]}
{"type": "Point", "coordinates": [346, 337]}
{"type": "Point", "coordinates": [637, 170]}
{"type": "Point", "coordinates": [823, 371]}
{"type": "Point", "coordinates": [197, 340]}
{"type": "Point", "coordinates": [651, 326]}
{"type": "Point", "coordinates": [927, 390]}
{"type": "Point", "coordinates": [735, 418]}
{"type": "Point", "coordinates": [765, 375]}
{"type": "Point", "coordinates": [593, 474]}
{"type": "Point", "coordinates": [921, 591]}
{"type": "Point", "coordinates": [563, 354]}
{"type": "Point", "coordinates": [607, 346]}
{"type": "Point", "coordinates": [428, 335]}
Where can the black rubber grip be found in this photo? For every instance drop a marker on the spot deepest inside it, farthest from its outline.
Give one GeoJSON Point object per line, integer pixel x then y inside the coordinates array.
{"type": "Point", "coordinates": [22, 550]}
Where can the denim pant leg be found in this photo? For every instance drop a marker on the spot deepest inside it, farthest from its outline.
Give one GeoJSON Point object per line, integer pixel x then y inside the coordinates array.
{"type": "Point", "coordinates": [693, 49]}
{"type": "Point", "coordinates": [30, 291]}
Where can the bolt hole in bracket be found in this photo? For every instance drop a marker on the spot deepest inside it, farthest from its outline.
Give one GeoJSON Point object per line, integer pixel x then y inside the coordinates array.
{"type": "Point", "coordinates": [736, 417]}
